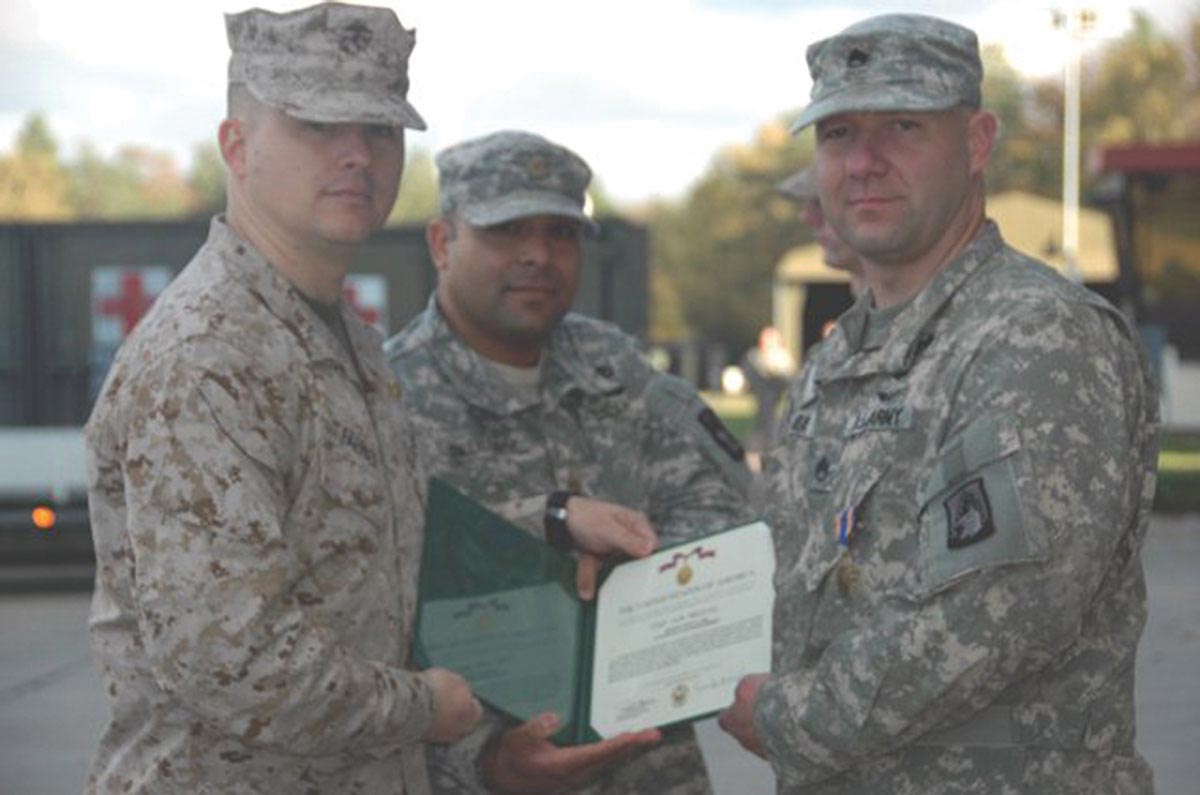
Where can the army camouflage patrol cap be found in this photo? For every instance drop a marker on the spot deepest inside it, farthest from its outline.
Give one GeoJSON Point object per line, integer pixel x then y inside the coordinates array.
{"type": "Point", "coordinates": [801, 186]}
{"type": "Point", "coordinates": [512, 174]}
{"type": "Point", "coordinates": [894, 62]}
{"type": "Point", "coordinates": [327, 63]}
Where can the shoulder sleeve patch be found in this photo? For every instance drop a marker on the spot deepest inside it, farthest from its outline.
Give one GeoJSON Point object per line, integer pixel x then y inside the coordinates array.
{"type": "Point", "coordinates": [968, 515]}
{"type": "Point", "coordinates": [709, 420]}
{"type": "Point", "coordinates": [676, 402]}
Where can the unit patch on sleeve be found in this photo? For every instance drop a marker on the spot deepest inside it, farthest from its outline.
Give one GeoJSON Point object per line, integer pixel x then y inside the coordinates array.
{"type": "Point", "coordinates": [968, 515]}
{"type": "Point", "coordinates": [716, 429]}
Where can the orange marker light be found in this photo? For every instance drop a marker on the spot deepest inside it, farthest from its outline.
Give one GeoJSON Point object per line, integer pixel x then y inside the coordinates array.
{"type": "Point", "coordinates": [43, 518]}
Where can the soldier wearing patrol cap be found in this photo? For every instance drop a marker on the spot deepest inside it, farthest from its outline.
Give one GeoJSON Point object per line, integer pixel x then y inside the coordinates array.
{"type": "Point", "coordinates": [802, 187]}
{"type": "Point", "coordinates": [554, 420]}
{"type": "Point", "coordinates": [964, 474]}
{"type": "Point", "coordinates": [253, 498]}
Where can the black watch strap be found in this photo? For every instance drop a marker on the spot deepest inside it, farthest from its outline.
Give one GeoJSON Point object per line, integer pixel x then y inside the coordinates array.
{"type": "Point", "coordinates": [554, 521]}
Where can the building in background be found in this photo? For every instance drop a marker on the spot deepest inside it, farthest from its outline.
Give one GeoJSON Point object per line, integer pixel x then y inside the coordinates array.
{"type": "Point", "coordinates": [1153, 194]}
{"type": "Point", "coordinates": [808, 294]}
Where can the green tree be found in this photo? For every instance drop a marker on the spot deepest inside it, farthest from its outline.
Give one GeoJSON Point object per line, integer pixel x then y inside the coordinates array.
{"type": "Point", "coordinates": [1137, 87]}
{"type": "Point", "coordinates": [418, 198]}
{"type": "Point", "coordinates": [137, 182]}
{"type": "Point", "coordinates": [206, 181]}
{"type": "Point", "coordinates": [33, 184]}
{"type": "Point", "coordinates": [717, 250]}
{"type": "Point", "coordinates": [1025, 156]}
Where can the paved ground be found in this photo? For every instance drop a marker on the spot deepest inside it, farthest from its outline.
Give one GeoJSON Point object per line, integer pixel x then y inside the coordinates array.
{"type": "Point", "coordinates": [52, 707]}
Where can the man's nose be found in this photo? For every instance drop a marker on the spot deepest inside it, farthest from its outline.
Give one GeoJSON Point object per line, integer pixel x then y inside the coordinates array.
{"type": "Point", "coordinates": [534, 247]}
{"type": "Point", "coordinates": [352, 146]}
{"type": "Point", "coordinates": [863, 156]}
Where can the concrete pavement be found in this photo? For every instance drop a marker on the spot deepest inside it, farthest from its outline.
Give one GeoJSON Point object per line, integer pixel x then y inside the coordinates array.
{"type": "Point", "coordinates": [52, 706]}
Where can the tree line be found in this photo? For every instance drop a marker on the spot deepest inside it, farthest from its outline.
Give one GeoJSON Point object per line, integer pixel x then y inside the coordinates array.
{"type": "Point", "coordinates": [714, 250]}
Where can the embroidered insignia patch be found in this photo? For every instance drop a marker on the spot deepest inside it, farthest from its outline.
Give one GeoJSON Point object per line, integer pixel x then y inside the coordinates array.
{"type": "Point", "coordinates": [968, 515]}
{"type": "Point", "coordinates": [801, 423]}
{"type": "Point", "coordinates": [716, 429]}
{"type": "Point", "coordinates": [879, 418]}
{"type": "Point", "coordinates": [823, 470]}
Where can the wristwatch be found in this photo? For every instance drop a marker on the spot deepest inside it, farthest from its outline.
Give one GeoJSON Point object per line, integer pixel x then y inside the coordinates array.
{"type": "Point", "coordinates": [554, 521]}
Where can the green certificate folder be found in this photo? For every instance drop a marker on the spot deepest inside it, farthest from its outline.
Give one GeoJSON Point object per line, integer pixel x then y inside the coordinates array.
{"type": "Point", "coordinates": [671, 633]}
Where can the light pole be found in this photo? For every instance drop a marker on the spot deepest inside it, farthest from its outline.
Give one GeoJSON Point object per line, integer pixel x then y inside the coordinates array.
{"type": "Point", "coordinates": [1076, 23]}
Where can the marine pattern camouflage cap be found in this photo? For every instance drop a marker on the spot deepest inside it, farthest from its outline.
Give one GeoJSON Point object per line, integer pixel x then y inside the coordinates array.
{"type": "Point", "coordinates": [800, 186]}
{"type": "Point", "coordinates": [327, 63]}
{"type": "Point", "coordinates": [894, 62]}
{"type": "Point", "coordinates": [512, 174]}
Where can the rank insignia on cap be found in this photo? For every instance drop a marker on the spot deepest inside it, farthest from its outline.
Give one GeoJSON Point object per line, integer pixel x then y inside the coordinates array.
{"type": "Point", "coordinates": [968, 515]}
{"type": "Point", "coordinates": [538, 168]}
{"type": "Point", "coordinates": [356, 38]}
{"type": "Point", "coordinates": [857, 58]}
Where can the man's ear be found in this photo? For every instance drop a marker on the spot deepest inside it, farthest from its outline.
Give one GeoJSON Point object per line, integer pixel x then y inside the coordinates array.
{"type": "Point", "coordinates": [982, 129]}
{"type": "Point", "coordinates": [231, 136]}
{"type": "Point", "coordinates": [438, 233]}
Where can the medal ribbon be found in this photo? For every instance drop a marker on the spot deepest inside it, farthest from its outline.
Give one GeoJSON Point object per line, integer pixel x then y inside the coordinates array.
{"type": "Point", "coordinates": [846, 525]}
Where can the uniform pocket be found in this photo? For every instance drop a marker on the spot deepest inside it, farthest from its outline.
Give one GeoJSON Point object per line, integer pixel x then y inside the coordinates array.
{"type": "Point", "coordinates": [971, 515]}
{"type": "Point", "coordinates": [846, 501]}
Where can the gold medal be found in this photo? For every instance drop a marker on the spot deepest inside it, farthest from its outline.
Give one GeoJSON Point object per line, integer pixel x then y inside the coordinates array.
{"type": "Point", "coordinates": [849, 576]}
{"type": "Point", "coordinates": [684, 575]}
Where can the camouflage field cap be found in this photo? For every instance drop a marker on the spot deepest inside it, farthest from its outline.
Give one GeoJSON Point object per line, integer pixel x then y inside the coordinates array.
{"type": "Point", "coordinates": [801, 186]}
{"type": "Point", "coordinates": [327, 63]}
{"type": "Point", "coordinates": [512, 174]}
{"type": "Point", "coordinates": [893, 62]}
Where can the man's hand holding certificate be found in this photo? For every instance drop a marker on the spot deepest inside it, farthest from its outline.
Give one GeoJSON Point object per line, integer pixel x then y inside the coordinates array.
{"type": "Point", "coordinates": [665, 641]}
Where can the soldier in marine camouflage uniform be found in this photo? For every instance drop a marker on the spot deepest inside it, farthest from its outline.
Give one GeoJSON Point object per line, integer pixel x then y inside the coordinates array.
{"type": "Point", "coordinates": [253, 496]}
{"type": "Point", "coordinates": [518, 400]}
{"type": "Point", "coordinates": [964, 474]}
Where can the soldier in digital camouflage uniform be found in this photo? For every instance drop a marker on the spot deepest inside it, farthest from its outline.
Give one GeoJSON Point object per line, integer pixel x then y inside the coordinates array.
{"type": "Point", "coordinates": [517, 400]}
{"type": "Point", "coordinates": [964, 475]}
{"type": "Point", "coordinates": [253, 496]}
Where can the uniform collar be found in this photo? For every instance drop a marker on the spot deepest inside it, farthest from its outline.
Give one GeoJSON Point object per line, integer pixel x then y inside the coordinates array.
{"type": "Point", "coordinates": [913, 329]}
{"type": "Point", "coordinates": [280, 297]}
{"type": "Point", "coordinates": [564, 370]}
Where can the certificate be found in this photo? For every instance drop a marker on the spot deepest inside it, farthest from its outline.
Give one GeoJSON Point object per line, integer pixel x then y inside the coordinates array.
{"type": "Point", "coordinates": [664, 642]}
{"type": "Point", "coordinates": [677, 630]}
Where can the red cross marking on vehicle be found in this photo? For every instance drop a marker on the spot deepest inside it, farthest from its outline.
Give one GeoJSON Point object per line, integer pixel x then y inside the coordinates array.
{"type": "Point", "coordinates": [369, 314]}
{"type": "Point", "coordinates": [130, 302]}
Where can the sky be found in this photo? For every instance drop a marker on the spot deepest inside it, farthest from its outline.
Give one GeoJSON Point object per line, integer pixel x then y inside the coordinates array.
{"type": "Point", "coordinates": [647, 91]}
